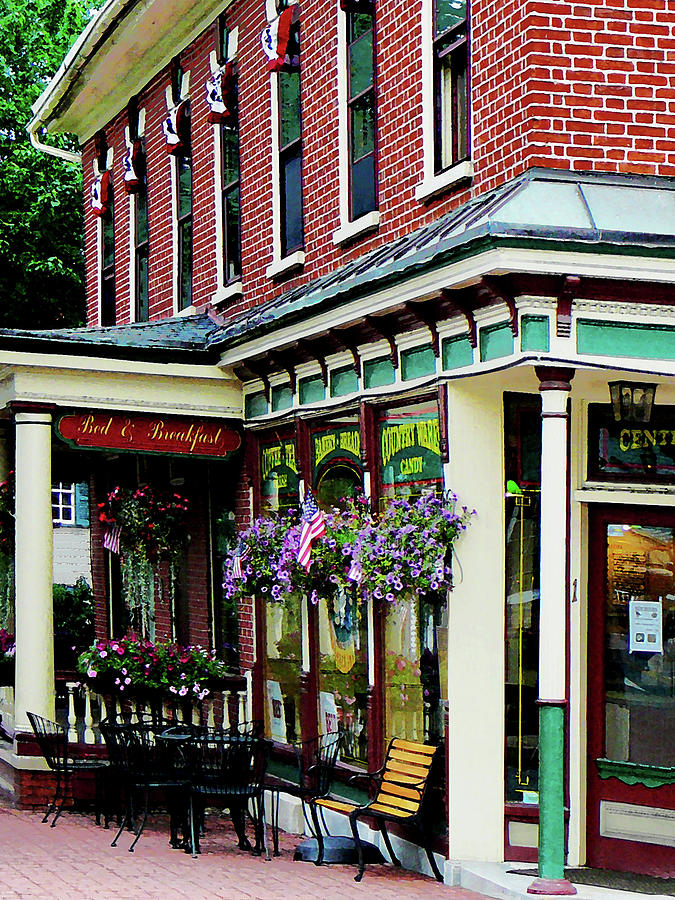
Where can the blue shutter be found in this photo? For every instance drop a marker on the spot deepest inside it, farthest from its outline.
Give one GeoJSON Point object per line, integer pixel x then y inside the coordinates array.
{"type": "Point", "coordinates": [82, 504]}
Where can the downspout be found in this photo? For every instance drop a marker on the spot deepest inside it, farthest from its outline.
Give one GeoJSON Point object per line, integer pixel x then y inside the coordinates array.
{"type": "Point", "coordinates": [67, 155]}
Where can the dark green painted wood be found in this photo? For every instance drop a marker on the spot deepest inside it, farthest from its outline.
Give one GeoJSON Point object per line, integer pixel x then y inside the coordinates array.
{"type": "Point", "coordinates": [311, 390]}
{"type": "Point", "coordinates": [457, 352]}
{"type": "Point", "coordinates": [282, 397]}
{"type": "Point", "coordinates": [495, 341]}
{"type": "Point", "coordinates": [377, 372]}
{"type": "Point", "coordinates": [601, 338]}
{"type": "Point", "coordinates": [255, 405]}
{"type": "Point", "coordinates": [343, 381]}
{"type": "Point", "coordinates": [416, 362]}
{"type": "Point", "coordinates": [535, 333]}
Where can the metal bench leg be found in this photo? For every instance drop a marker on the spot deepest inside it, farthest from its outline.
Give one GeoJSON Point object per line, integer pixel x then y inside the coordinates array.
{"type": "Point", "coordinates": [432, 860]}
{"type": "Point", "coordinates": [385, 834]}
{"type": "Point", "coordinates": [359, 846]}
{"type": "Point", "coordinates": [320, 846]}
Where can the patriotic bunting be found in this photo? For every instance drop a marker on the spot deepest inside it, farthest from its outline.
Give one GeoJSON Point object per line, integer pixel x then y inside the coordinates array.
{"type": "Point", "coordinates": [176, 128]}
{"type": "Point", "coordinates": [100, 194]}
{"type": "Point", "coordinates": [221, 96]}
{"type": "Point", "coordinates": [111, 538]}
{"type": "Point", "coordinates": [133, 166]}
{"type": "Point", "coordinates": [275, 41]}
{"type": "Point", "coordinates": [313, 527]}
{"type": "Point", "coordinates": [240, 555]}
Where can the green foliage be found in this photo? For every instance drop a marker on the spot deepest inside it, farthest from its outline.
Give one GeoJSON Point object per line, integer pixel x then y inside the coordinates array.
{"type": "Point", "coordinates": [41, 255]}
{"type": "Point", "coordinates": [74, 612]}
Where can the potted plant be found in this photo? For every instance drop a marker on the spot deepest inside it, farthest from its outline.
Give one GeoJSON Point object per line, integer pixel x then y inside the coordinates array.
{"type": "Point", "coordinates": [7, 654]}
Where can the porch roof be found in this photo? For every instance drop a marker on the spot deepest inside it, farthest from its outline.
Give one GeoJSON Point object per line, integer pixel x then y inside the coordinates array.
{"type": "Point", "coordinates": [559, 210]}
{"type": "Point", "coordinates": [179, 339]}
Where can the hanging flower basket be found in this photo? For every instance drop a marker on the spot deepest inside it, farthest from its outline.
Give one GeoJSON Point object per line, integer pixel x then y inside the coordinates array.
{"type": "Point", "coordinates": [133, 667]}
{"type": "Point", "coordinates": [404, 551]}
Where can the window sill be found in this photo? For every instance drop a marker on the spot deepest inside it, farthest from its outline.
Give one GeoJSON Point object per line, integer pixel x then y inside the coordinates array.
{"type": "Point", "coordinates": [357, 228]}
{"type": "Point", "coordinates": [228, 292]}
{"type": "Point", "coordinates": [282, 266]}
{"type": "Point", "coordinates": [188, 311]}
{"type": "Point", "coordinates": [636, 773]}
{"type": "Point", "coordinates": [436, 184]}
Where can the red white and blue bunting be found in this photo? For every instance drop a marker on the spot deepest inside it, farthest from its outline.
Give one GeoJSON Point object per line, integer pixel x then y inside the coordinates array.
{"type": "Point", "coordinates": [101, 189]}
{"type": "Point", "coordinates": [221, 96]}
{"type": "Point", "coordinates": [176, 128]}
{"type": "Point", "coordinates": [133, 166]}
{"type": "Point", "coordinates": [275, 41]}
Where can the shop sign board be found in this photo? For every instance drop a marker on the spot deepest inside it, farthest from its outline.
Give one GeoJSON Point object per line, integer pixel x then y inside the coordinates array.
{"type": "Point", "coordinates": [631, 451]}
{"type": "Point", "coordinates": [410, 449]}
{"type": "Point", "coordinates": [142, 433]}
{"type": "Point", "coordinates": [342, 443]}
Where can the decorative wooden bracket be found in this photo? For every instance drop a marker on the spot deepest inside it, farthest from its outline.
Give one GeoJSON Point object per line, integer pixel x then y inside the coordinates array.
{"type": "Point", "coordinates": [283, 362]}
{"type": "Point", "coordinates": [424, 317]}
{"type": "Point", "coordinates": [466, 311]}
{"type": "Point", "coordinates": [563, 317]}
{"type": "Point", "coordinates": [344, 339]}
{"type": "Point", "coordinates": [491, 288]}
{"type": "Point", "coordinates": [443, 422]}
{"type": "Point", "coordinates": [260, 373]}
{"type": "Point", "coordinates": [308, 347]}
{"type": "Point", "coordinates": [383, 331]}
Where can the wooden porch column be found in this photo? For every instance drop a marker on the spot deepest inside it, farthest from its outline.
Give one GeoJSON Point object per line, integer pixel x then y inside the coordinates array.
{"type": "Point", "coordinates": [34, 690]}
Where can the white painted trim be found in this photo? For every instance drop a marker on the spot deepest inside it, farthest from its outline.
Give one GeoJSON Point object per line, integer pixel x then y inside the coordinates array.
{"type": "Point", "coordinates": [284, 264]}
{"type": "Point", "coordinates": [436, 184]}
{"type": "Point", "coordinates": [497, 261]}
{"type": "Point", "coordinates": [174, 234]}
{"type": "Point", "coordinates": [188, 311]}
{"type": "Point", "coordinates": [343, 136]}
{"type": "Point", "coordinates": [218, 201]}
{"type": "Point", "coordinates": [99, 266]}
{"type": "Point", "coordinates": [229, 292]}
{"type": "Point", "coordinates": [276, 175]}
{"type": "Point", "coordinates": [133, 213]}
{"type": "Point", "coordinates": [349, 231]}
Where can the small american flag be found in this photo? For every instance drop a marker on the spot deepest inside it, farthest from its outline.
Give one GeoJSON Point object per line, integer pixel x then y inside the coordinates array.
{"type": "Point", "coordinates": [111, 538]}
{"type": "Point", "coordinates": [240, 555]}
{"type": "Point", "coordinates": [355, 572]}
{"type": "Point", "coordinates": [313, 526]}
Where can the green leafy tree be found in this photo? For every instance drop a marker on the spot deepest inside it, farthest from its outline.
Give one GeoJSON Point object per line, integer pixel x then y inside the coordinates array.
{"type": "Point", "coordinates": [41, 253]}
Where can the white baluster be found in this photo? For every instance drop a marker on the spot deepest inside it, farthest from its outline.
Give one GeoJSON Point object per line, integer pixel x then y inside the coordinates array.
{"type": "Point", "coordinates": [71, 687]}
{"type": "Point", "coordinates": [242, 705]}
{"type": "Point", "coordinates": [226, 710]}
{"type": "Point", "coordinates": [249, 695]}
{"type": "Point", "coordinates": [88, 718]}
{"type": "Point", "coordinates": [210, 713]}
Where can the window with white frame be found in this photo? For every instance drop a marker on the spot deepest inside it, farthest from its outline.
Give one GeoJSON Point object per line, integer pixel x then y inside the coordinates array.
{"type": "Point", "coordinates": [229, 154]}
{"type": "Point", "coordinates": [451, 106]}
{"type": "Point", "coordinates": [290, 161]}
{"type": "Point", "coordinates": [63, 503]}
{"type": "Point", "coordinates": [361, 108]}
{"type": "Point", "coordinates": [178, 138]}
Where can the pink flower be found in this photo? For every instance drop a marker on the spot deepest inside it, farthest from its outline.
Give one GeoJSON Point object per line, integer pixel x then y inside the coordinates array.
{"type": "Point", "coordinates": [400, 664]}
{"type": "Point", "coordinates": [183, 691]}
{"type": "Point", "coordinates": [91, 673]}
{"type": "Point", "coordinates": [173, 689]}
{"type": "Point", "coordinates": [103, 654]}
{"type": "Point", "coordinates": [127, 680]}
{"type": "Point", "coordinates": [120, 651]}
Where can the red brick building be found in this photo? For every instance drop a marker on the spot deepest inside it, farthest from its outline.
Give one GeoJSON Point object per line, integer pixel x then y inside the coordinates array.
{"type": "Point", "coordinates": [385, 217]}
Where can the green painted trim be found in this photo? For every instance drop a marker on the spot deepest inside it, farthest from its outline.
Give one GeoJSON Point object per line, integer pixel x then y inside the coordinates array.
{"type": "Point", "coordinates": [636, 773]}
{"type": "Point", "coordinates": [457, 352]}
{"type": "Point", "coordinates": [551, 792]}
{"type": "Point", "coordinates": [255, 405]}
{"type": "Point", "coordinates": [378, 372]}
{"type": "Point", "coordinates": [343, 381]}
{"type": "Point", "coordinates": [282, 397]}
{"type": "Point", "coordinates": [417, 361]}
{"type": "Point", "coordinates": [495, 341]}
{"type": "Point", "coordinates": [534, 333]}
{"type": "Point", "coordinates": [631, 339]}
{"type": "Point", "coordinates": [311, 390]}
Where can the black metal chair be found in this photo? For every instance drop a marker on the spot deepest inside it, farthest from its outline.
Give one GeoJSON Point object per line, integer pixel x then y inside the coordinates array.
{"type": "Point", "coordinates": [229, 767]}
{"type": "Point", "coordinates": [316, 759]}
{"type": "Point", "coordinates": [53, 742]}
{"type": "Point", "coordinates": [147, 764]}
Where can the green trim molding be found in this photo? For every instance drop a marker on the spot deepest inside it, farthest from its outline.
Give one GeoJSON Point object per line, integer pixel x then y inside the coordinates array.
{"type": "Point", "coordinates": [628, 339]}
{"type": "Point", "coordinates": [636, 773]}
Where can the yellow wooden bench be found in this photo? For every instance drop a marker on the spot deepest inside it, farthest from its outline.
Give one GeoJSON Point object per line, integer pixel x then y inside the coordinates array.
{"type": "Point", "coordinates": [400, 789]}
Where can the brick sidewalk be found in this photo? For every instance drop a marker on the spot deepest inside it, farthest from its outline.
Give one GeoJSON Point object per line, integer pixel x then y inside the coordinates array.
{"type": "Point", "coordinates": [75, 861]}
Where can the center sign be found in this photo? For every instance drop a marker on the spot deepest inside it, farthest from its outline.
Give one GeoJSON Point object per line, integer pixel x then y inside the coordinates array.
{"type": "Point", "coordinates": [140, 433]}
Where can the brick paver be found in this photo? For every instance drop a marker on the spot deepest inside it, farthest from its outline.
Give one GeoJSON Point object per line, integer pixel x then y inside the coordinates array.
{"type": "Point", "coordinates": [75, 861]}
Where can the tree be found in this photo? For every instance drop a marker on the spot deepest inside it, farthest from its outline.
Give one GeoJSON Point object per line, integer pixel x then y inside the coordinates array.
{"type": "Point", "coordinates": [41, 216]}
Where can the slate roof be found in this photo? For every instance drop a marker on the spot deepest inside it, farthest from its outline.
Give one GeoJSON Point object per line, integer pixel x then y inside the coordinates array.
{"type": "Point", "coordinates": [592, 211]}
{"type": "Point", "coordinates": [182, 338]}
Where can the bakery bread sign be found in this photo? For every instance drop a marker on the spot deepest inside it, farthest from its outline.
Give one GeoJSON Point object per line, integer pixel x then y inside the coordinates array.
{"type": "Point", "coordinates": [140, 433]}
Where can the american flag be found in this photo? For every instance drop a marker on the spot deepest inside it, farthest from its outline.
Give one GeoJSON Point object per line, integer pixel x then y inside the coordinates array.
{"type": "Point", "coordinates": [111, 538]}
{"type": "Point", "coordinates": [355, 572]}
{"type": "Point", "coordinates": [240, 555]}
{"type": "Point", "coordinates": [313, 526]}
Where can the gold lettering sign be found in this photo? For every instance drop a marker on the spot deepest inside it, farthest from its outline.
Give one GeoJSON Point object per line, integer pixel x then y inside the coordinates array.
{"type": "Point", "coordinates": [405, 435]}
{"type": "Point", "coordinates": [275, 456]}
{"type": "Point", "coordinates": [641, 438]}
{"type": "Point", "coordinates": [347, 441]}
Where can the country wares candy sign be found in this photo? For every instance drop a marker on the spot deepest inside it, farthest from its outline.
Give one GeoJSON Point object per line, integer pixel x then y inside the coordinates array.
{"type": "Point", "coordinates": [148, 434]}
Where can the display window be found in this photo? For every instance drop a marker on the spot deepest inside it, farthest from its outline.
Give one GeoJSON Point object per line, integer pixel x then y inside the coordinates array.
{"type": "Point", "coordinates": [278, 474]}
{"type": "Point", "coordinates": [409, 450]}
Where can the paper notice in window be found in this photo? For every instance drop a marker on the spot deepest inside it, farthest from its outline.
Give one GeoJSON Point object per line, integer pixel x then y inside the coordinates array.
{"type": "Point", "coordinates": [645, 619]}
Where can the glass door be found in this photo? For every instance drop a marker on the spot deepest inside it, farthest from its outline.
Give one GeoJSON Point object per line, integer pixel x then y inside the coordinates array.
{"type": "Point", "coordinates": [631, 661]}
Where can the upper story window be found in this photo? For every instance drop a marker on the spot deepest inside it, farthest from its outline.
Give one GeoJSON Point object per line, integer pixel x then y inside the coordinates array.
{"type": "Point", "coordinates": [451, 107]}
{"type": "Point", "coordinates": [142, 257]}
{"type": "Point", "coordinates": [290, 162]}
{"type": "Point", "coordinates": [361, 124]}
{"type": "Point", "coordinates": [102, 204]}
{"type": "Point", "coordinates": [230, 199]}
{"type": "Point", "coordinates": [178, 140]}
{"type": "Point", "coordinates": [136, 185]}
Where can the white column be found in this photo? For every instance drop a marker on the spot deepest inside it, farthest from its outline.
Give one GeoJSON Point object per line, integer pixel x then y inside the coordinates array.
{"type": "Point", "coordinates": [34, 607]}
{"type": "Point", "coordinates": [476, 624]}
{"type": "Point", "coordinates": [552, 578]}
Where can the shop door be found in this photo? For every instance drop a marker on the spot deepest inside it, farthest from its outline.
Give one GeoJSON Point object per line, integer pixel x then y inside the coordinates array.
{"type": "Point", "coordinates": [631, 690]}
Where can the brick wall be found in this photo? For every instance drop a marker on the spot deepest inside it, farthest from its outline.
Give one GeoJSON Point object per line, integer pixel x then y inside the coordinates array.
{"type": "Point", "coordinates": [562, 84]}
